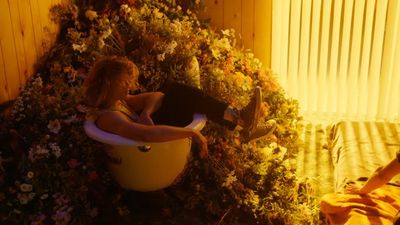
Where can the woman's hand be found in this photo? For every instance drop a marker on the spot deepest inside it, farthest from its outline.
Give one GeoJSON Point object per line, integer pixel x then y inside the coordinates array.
{"type": "Point", "coordinates": [353, 188]}
{"type": "Point", "coordinates": [145, 118]}
{"type": "Point", "coordinates": [202, 142]}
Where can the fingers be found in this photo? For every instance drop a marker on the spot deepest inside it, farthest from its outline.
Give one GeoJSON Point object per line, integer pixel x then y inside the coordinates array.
{"type": "Point", "coordinates": [144, 119]}
{"type": "Point", "coordinates": [352, 188]}
{"type": "Point", "coordinates": [203, 147]}
{"type": "Point", "coordinates": [202, 142]}
{"type": "Point", "coordinates": [203, 152]}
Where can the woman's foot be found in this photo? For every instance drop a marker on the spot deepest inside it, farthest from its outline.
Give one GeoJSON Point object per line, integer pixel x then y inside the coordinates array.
{"type": "Point", "coordinates": [251, 113]}
{"type": "Point", "coordinates": [261, 132]}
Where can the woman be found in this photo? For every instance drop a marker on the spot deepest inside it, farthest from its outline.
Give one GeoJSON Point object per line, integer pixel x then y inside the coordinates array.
{"type": "Point", "coordinates": [380, 177]}
{"type": "Point", "coordinates": [160, 113]}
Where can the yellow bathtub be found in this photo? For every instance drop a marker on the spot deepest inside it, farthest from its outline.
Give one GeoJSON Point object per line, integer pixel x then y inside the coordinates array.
{"type": "Point", "coordinates": [143, 166]}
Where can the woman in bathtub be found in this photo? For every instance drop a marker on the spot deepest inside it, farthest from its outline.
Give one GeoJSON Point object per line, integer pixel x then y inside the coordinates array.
{"type": "Point", "coordinates": [159, 116]}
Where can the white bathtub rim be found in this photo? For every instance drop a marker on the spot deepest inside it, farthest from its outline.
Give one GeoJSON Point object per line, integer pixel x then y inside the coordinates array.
{"type": "Point", "coordinates": [199, 121]}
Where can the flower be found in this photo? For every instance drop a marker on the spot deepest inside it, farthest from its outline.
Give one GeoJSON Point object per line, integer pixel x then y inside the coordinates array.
{"type": "Point", "coordinates": [123, 211]}
{"type": "Point", "coordinates": [54, 126]}
{"type": "Point", "coordinates": [62, 215]}
{"type": "Point", "coordinates": [73, 163]}
{"type": "Point", "coordinates": [166, 41]}
{"type": "Point", "coordinates": [79, 47]}
{"type": "Point", "coordinates": [92, 176]}
{"type": "Point", "coordinates": [23, 198]}
{"type": "Point", "coordinates": [230, 179]}
{"type": "Point", "coordinates": [55, 150]}
{"type": "Point", "coordinates": [38, 219]}
{"type": "Point", "coordinates": [90, 14]}
{"type": "Point", "coordinates": [44, 196]}
{"type": "Point", "coordinates": [30, 174]}
{"type": "Point", "coordinates": [25, 187]}
{"type": "Point", "coordinates": [37, 152]}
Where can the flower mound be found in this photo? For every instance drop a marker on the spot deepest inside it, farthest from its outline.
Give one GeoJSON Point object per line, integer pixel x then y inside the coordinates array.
{"type": "Point", "coordinates": [52, 173]}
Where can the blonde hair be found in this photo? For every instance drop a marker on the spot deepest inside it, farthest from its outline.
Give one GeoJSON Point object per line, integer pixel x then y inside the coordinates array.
{"type": "Point", "coordinates": [105, 77]}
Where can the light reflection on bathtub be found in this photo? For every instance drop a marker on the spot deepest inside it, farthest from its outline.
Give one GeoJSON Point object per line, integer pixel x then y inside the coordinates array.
{"type": "Point", "coordinates": [143, 166]}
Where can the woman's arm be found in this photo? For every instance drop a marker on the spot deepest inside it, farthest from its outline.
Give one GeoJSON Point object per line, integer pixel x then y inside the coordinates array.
{"type": "Point", "coordinates": [147, 102]}
{"type": "Point", "coordinates": [380, 177]}
{"type": "Point", "coordinates": [117, 123]}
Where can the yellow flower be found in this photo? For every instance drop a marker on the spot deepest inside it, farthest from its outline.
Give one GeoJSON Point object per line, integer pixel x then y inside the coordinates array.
{"type": "Point", "coordinates": [25, 187]}
{"type": "Point", "coordinates": [90, 14]}
{"type": "Point", "coordinates": [30, 174]}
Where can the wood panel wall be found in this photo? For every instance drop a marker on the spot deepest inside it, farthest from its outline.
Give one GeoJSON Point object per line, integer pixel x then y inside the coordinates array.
{"type": "Point", "coordinates": [251, 19]}
{"type": "Point", "coordinates": [26, 34]}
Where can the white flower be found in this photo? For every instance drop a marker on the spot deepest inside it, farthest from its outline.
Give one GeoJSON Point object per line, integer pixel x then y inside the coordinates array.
{"type": "Point", "coordinates": [90, 14]}
{"type": "Point", "coordinates": [228, 32]}
{"type": "Point", "coordinates": [44, 196]}
{"type": "Point", "coordinates": [80, 48]}
{"type": "Point", "coordinates": [37, 152]}
{"type": "Point", "coordinates": [71, 119]}
{"type": "Point", "coordinates": [25, 187]}
{"type": "Point", "coordinates": [125, 8]}
{"type": "Point", "coordinates": [23, 199]}
{"type": "Point", "coordinates": [229, 180]}
{"type": "Point", "coordinates": [54, 126]}
{"type": "Point", "coordinates": [106, 33]}
{"type": "Point", "coordinates": [161, 57]}
{"type": "Point", "coordinates": [176, 27]}
{"type": "Point", "coordinates": [171, 47]}
{"type": "Point", "coordinates": [38, 82]}
{"type": "Point", "coordinates": [81, 108]}
{"type": "Point", "coordinates": [55, 149]}
{"type": "Point", "coordinates": [274, 151]}
{"type": "Point", "coordinates": [157, 14]}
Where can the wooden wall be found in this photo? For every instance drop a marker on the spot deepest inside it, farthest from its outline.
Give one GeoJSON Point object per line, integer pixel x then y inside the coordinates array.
{"type": "Point", "coordinates": [251, 19]}
{"type": "Point", "coordinates": [26, 34]}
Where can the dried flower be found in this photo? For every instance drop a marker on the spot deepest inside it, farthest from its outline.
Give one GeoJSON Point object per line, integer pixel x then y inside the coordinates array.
{"type": "Point", "coordinates": [25, 187]}
{"type": "Point", "coordinates": [30, 174]}
{"type": "Point", "coordinates": [54, 126]}
{"type": "Point", "coordinates": [90, 14]}
{"type": "Point", "coordinates": [73, 163]}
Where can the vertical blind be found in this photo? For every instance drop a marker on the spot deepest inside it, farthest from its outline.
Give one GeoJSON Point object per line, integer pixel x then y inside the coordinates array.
{"type": "Point", "coordinates": [339, 58]}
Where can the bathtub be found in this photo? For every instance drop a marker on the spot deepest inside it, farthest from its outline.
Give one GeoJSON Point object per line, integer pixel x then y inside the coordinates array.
{"type": "Point", "coordinates": [143, 166]}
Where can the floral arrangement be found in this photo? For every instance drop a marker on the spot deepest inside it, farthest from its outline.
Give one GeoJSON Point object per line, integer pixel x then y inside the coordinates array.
{"type": "Point", "coordinates": [52, 173]}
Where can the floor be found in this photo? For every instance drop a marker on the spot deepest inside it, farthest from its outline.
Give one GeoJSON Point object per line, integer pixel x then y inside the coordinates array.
{"type": "Point", "coordinates": [314, 160]}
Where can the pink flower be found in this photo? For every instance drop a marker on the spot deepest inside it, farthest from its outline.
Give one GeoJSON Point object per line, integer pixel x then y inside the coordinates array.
{"type": "Point", "coordinates": [61, 199]}
{"type": "Point", "coordinates": [73, 163]}
{"type": "Point", "coordinates": [38, 219]}
{"type": "Point", "coordinates": [92, 175]}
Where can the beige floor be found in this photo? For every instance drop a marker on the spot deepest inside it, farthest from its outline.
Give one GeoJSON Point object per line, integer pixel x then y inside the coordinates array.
{"type": "Point", "coordinates": [314, 160]}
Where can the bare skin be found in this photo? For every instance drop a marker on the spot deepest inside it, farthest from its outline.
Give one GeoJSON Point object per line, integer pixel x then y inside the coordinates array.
{"type": "Point", "coordinates": [144, 129]}
{"type": "Point", "coordinates": [380, 177]}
